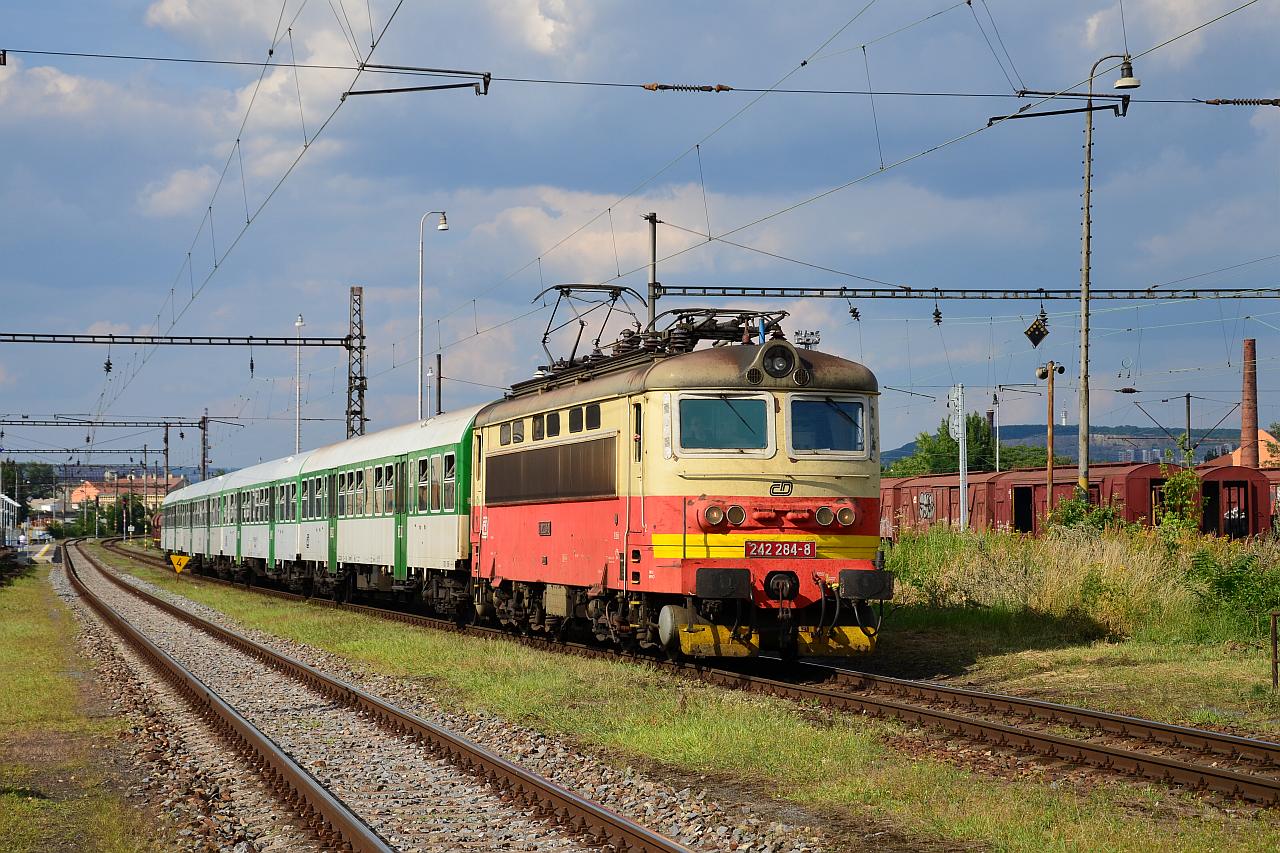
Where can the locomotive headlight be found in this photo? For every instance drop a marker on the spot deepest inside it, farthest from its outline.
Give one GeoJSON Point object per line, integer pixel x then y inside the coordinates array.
{"type": "Point", "coordinates": [736, 515]}
{"type": "Point", "coordinates": [824, 516]}
{"type": "Point", "coordinates": [714, 514]}
{"type": "Point", "coordinates": [778, 362]}
{"type": "Point", "coordinates": [846, 516]}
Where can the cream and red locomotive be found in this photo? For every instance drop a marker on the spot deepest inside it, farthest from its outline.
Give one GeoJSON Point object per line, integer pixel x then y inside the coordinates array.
{"type": "Point", "coordinates": [712, 501]}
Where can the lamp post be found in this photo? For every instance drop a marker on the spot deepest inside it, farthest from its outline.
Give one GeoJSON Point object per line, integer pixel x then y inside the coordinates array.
{"type": "Point", "coordinates": [442, 225]}
{"type": "Point", "coordinates": [297, 388]}
{"type": "Point", "coordinates": [1126, 81]}
{"type": "Point", "coordinates": [1047, 371]}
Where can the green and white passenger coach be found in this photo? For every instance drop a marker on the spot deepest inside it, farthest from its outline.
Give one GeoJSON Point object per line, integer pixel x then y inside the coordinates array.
{"type": "Point", "coordinates": [373, 512]}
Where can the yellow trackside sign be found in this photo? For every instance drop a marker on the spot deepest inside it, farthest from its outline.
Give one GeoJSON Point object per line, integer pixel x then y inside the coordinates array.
{"type": "Point", "coordinates": [179, 562]}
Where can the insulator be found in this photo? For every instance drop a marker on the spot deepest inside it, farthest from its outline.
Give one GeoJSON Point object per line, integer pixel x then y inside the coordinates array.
{"type": "Point", "coordinates": [1244, 102]}
{"type": "Point", "coordinates": [681, 87]}
{"type": "Point", "coordinates": [106, 365]}
{"type": "Point", "coordinates": [937, 316]}
{"type": "Point", "coordinates": [855, 314]}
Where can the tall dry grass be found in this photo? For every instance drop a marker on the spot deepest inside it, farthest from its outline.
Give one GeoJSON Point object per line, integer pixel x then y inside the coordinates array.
{"type": "Point", "coordinates": [1123, 582]}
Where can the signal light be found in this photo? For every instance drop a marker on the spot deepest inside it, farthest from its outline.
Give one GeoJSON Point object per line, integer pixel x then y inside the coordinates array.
{"type": "Point", "coordinates": [714, 515]}
{"type": "Point", "coordinates": [824, 516]}
{"type": "Point", "coordinates": [846, 516]}
{"type": "Point", "coordinates": [736, 515]}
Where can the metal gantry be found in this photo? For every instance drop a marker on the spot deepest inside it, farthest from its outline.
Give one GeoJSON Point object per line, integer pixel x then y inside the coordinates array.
{"type": "Point", "coordinates": [842, 292]}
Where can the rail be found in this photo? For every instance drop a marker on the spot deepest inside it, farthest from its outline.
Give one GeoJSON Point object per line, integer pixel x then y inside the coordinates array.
{"type": "Point", "coordinates": [910, 701]}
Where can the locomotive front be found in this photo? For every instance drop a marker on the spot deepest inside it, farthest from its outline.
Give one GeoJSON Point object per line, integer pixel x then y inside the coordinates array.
{"type": "Point", "coordinates": [762, 499]}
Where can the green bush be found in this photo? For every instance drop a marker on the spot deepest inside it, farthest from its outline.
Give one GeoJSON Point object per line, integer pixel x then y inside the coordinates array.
{"type": "Point", "coordinates": [1235, 588]}
{"type": "Point", "coordinates": [1076, 512]}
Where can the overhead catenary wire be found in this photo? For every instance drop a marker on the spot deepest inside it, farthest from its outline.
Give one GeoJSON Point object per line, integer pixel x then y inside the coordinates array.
{"type": "Point", "coordinates": [546, 81]}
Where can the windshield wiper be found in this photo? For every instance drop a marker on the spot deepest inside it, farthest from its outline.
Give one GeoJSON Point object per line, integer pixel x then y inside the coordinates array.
{"type": "Point", "coordinates": [841, 412]}
{"type": "Point", "coordinates": [725, 399]}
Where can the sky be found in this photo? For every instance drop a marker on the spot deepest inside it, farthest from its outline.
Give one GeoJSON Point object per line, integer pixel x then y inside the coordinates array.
{"type": "Point", "coordinates": [125, 188]}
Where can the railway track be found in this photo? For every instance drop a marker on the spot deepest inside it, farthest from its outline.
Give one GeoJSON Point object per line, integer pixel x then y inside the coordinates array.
{"type": "Point", "coordinates": [406, 741]}
{"type": "Point", "coordinates": [1234, 766]}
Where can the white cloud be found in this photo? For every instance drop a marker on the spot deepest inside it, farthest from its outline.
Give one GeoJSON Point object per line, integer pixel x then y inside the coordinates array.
{"type": "Point", "coordinates": [543, 26]}
{"type": "Point", "coordinates": [45, 91]}
{"type": "Point", "coordinates": [184, 191]}
{"type": "Point", "coordinates": [1150, 22]}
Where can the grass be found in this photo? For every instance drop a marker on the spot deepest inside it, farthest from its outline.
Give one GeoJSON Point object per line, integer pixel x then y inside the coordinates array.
{"type": "Point", "coordinates": [843, 765]}
{"type": "Point", "coordinates": [1124, 620]}
{"type": "Point", "coordinates": [54, 793]}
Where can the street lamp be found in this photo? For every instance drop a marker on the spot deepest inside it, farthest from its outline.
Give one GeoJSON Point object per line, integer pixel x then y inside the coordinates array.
{"type": "Point", "coordinates": [442, 225]}
{"type": "Point", "coordinates": [1126, 81]}
{"type": "Point", "coordinates": [297, 388]}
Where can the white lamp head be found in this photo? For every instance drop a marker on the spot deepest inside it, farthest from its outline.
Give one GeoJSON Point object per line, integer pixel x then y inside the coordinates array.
{"type": "Point", "coordinates": [1127, 80]}
{"type": "Point", "coordinates": [444, 223]}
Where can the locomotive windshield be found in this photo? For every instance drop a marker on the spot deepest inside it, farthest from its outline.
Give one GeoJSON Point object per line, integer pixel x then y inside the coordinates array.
{"type": "Point", "coordinates": [826, 425]}
{"type": "Point", "coordinates": [724, 423]}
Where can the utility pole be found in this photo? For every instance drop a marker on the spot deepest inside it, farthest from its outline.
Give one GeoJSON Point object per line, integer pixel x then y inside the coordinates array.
{"type": "Point", "coordinates": [1187, 455]}
{"type": "Point", "coordinates": [958, 429]}
{"type": "Point", "coordinates": [297, 391]}
{"type": "Point", "coordinates": [204, 446]}
{"type": "Point", "coordinates": [1047, 372]}
{"type": "Point", "coordinates": [652, 219]}
{"type": "Point", "coordinates": [166, 459]}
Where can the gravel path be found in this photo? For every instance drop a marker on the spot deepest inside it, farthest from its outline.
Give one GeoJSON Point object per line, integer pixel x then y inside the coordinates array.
{"type": "Point", "coordinates": [413, 799]}
{"type": "Point", "coordinates": [181, 769]}
{"type": "Point", "coordinates": [702, 819]}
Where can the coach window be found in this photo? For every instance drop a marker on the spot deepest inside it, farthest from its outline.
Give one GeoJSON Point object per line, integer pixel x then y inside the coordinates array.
{"type": "Point", "coordinates": [575, 420]}
{"type": "Point", "coordinates": [368, 483]}
{"type": "Point", "coordinates": [379, 490]}
{"type": "Point", "coordinates": [450, 480]}
{"type": "Point", "coordinates": [435, 483]}
{"type": "Point", "coordinates": [517, 431]}
{"type": "Point", "coordinates": [538, 427]}
{"type": "Point", "coordinates": [553, 424]}
{"type": "Point", "coordinates": [424, 484]}
{"type": "Point", "coordinates": [593, 416]}
{"type": "Point", "coordinates": [504, 435]}
{"type": "Point", "coordinates": [391, 488]}
{"type": "Point", "coordinates": [342, 495]}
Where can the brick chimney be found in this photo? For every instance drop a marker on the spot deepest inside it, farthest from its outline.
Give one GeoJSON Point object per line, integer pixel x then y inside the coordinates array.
{"type": "Point", "coordinates": [1249, 406]}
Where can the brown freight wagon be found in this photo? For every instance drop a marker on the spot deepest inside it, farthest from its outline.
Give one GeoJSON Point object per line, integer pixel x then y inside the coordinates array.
{"type": "Point", "coordinates": [1237, 501]}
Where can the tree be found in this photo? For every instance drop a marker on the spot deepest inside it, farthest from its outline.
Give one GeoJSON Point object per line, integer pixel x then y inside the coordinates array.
{"type": "Point", "coordinates": [939, 453]}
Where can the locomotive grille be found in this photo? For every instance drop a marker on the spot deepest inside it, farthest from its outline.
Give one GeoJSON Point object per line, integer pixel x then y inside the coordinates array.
{"type": "Point", "coordinates": [755, 376]}
{"type": "Point", "coordinates": [803, 377]}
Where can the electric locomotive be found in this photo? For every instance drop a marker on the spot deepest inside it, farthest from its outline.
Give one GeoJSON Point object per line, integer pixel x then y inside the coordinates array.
{"type": "Point", "coordinates": [712, 502]}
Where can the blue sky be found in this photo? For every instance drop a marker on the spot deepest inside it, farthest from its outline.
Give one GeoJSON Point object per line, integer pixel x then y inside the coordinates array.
{"type": "Point", "coordinates": [110, 168]}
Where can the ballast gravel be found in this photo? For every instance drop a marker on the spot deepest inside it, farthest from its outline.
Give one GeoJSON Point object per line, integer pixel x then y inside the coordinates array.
{"type": "Point", "coordinates": [204, 796]}
{"type": "Point", "coordinates": [413, 799]}
{"type": "Point", "coordinates": [687, 813]}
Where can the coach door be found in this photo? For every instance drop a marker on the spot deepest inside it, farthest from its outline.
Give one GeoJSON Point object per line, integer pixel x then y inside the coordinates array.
{"type": "Point", "coordinates": [400, 497]}
{"type": "Point", "coordinates": [274, 514]}
{"type": "Point", "coordinates": [333, 523]}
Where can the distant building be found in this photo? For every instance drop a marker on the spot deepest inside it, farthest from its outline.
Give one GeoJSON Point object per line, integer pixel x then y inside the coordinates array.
{"type": "Point", "coordinates": [1267, 456]}
{"type": "Point", "coordinates": [149, 489]}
